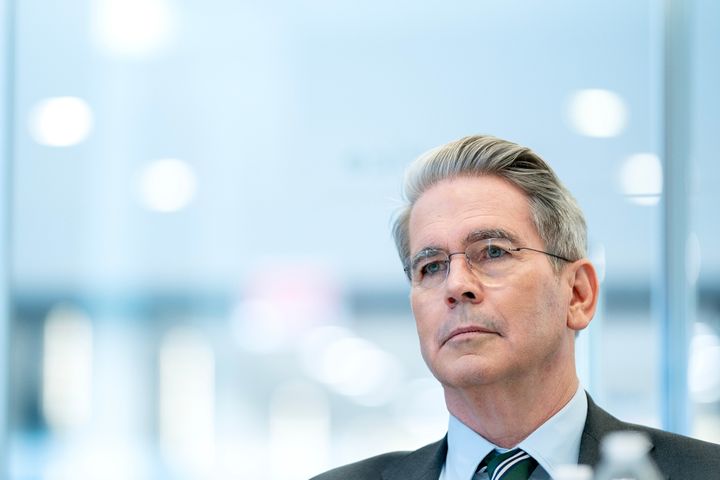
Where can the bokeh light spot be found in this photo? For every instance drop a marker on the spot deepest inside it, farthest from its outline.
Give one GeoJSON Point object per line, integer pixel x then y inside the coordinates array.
{"type": "Point", "coordinates": [167, 185]}
{"type": "Point", "coordinates": [641, 178]}
{"type": "Point", "coordinates": [61, 121]}
{"type": "Point", "coordinates": [133, 28]}
{"type": "Point", "coordinates": [597, 113]}
{"type": "Point", "coordinates": [703, 376]}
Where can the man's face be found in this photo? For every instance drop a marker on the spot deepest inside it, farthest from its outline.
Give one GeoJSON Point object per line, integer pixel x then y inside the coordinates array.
{"type": "Point", "coordinates": [473, 333]}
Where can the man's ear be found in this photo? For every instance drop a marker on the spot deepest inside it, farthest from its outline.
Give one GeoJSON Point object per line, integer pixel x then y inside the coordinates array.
{"type": "Point", "coordinates": [585, 289]}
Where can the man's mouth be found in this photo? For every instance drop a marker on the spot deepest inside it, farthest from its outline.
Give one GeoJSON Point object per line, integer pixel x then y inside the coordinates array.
{"type": "Point", "coordinates": [467, 332]}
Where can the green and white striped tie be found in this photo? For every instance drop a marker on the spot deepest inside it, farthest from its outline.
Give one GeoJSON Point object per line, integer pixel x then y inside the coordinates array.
{"type": "Point", "coordinates": [512, 465]}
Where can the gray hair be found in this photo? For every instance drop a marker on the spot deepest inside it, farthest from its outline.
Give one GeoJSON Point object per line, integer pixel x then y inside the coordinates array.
{"type": "Point", "coordinates": [555, 213]}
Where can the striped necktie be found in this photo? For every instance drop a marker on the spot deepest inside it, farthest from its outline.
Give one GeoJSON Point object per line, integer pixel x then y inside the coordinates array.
{"type": "Point", "coordinates": [512, 465]}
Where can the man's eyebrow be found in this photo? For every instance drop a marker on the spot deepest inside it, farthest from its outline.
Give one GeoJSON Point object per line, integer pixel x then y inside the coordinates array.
{"type": "Point", "coordinates": [472, 237]}
{"type": "Point", "coordinates": [424, 253]}
{"type": "Point", "coordinates": [486, 234]}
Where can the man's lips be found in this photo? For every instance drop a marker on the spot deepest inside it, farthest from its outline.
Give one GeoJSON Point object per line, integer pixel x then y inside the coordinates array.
{"type": "Point", "coordinates": [467, 329]}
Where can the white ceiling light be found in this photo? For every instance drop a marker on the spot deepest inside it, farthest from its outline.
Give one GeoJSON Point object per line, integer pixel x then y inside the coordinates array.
{"type": "Point", "coordinates": [61, 121]}
{"type": "Point", "coordinates": [597, 113]}
{"type": "Point", "coordinates": [641, 178]}
{"type": "Point", "coordinates": [133, 28]}
{"type": "Point", "coordinates": [167, 185]}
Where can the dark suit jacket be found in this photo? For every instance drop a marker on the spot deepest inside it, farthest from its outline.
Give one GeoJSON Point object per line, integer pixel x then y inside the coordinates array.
{"type": "Point", "coordinates": [678, 457]}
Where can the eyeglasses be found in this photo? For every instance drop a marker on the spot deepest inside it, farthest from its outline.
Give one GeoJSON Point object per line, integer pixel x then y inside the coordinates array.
{"type": "Point", "coordinates": [493, 260]}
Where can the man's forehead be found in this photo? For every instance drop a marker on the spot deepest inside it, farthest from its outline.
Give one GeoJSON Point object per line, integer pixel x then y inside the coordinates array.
{"type": "Point", "coordinates": [456, 209]}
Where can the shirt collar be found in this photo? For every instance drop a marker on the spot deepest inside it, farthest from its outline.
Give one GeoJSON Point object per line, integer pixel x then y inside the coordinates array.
{"type": "Point", "coordinates": [555, 442]}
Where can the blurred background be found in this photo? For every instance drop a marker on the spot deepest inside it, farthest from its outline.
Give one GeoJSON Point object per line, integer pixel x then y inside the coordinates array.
{"type": "Point", "coordinates": [199, 280]}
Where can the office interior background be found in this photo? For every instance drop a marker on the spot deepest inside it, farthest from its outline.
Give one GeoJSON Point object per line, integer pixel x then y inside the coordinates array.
{"type": "Point", "coordinates": [199, 280]}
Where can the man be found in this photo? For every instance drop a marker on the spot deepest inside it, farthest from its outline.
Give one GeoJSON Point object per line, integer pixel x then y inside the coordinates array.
{"type": "Point", "coordinates": [495, 250]}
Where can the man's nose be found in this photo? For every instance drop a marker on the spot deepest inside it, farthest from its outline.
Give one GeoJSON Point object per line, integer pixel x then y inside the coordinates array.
{"type": "Point", "coordinates": [462, 283]}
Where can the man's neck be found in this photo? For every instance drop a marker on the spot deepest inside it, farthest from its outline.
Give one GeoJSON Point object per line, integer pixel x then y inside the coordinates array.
{"type": "Point", "coordinates": [507, 413]}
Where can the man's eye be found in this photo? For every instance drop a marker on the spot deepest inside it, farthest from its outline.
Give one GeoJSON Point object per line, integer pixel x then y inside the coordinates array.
{"type": "Point", "coordinates": [433, 268]}
{"type": "Point", "coordinates": [493, 251]}
{"type": "Point", "coordinates": [487, 252]}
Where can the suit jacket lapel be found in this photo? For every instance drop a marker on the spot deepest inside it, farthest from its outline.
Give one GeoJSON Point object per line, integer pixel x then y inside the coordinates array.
{"type": "Point", "coordinates": [423, 464]}
{"type": "Point", "coordinates": [596, 425]}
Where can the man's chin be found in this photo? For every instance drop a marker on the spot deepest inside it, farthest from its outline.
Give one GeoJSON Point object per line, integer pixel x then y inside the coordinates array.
{"type": "Point", "coordinates": [467, 371]}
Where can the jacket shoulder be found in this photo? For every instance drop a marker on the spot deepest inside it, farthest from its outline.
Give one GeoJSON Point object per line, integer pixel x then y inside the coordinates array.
{"type": "Point", "coordinates": [423, 464]}
{"type": "Point", "coordinates": [678, 456]}
{"type": "Point", "coordinates": [678, 453]}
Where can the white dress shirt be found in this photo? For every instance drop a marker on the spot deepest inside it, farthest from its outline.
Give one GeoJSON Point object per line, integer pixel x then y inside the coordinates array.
{"type": "Point", "coordinates": [556, 442]}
